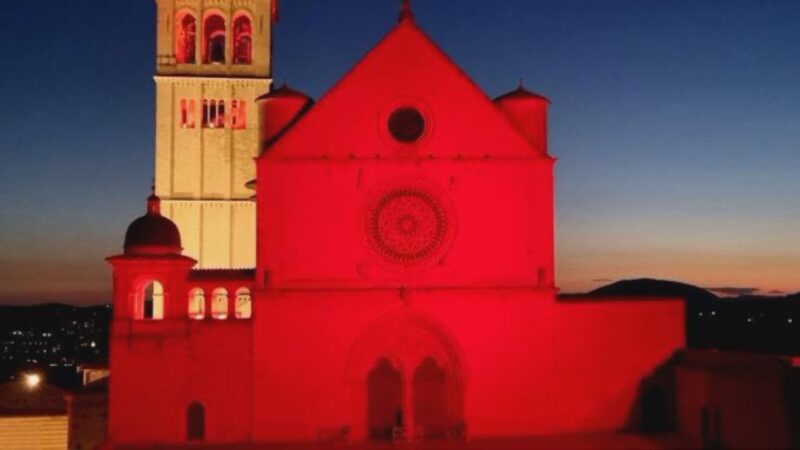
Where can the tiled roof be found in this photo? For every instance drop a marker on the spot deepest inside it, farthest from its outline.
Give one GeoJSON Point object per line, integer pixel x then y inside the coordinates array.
{"type": "Point", "coordinates": [17, 399]}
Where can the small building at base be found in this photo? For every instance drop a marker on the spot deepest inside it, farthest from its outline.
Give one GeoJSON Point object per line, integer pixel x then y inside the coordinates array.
{"type": "Point", "coordinates": [738, 400]}
{"type": "Point", "coordinates": [33, 414]}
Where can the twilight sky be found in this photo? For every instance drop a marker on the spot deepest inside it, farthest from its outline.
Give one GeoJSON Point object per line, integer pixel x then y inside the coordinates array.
{"type": "Point", "coordinates": [676, 125]}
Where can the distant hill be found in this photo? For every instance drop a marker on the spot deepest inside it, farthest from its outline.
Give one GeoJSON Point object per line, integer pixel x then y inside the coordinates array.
{"type": "Point", "coordinates": [648, 287]}
{"type": "Point", "coordinates": [656, 288]}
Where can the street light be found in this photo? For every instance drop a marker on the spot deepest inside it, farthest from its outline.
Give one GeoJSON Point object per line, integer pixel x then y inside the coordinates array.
{"type": "Point", "coordinates": [32, 380]}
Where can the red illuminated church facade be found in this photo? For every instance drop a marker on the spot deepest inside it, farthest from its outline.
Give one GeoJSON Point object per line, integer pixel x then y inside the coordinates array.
{"type": "Point", "coordinates": [404, 284]}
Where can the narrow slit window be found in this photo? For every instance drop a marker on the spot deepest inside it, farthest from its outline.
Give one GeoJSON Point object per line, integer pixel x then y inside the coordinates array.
{"type": "Point", "coordinates": [220, 114]}
{"type": "Point", "coordinates": [184, 114]}
{"type": "Point", "coordinates": [191, 114]}
{"type": "Point", "coordinates": [238, 115]}
{"type": "Point", "coordinates": [212, 113]}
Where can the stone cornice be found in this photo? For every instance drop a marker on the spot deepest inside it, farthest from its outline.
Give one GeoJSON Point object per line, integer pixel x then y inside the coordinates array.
{"type": "Point", "coordinates": [167, 201]}
{"type": "Point", "coordinates": [219, 81]}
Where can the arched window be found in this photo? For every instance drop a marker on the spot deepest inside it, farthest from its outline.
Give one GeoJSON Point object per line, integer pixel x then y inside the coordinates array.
{"type": "Point", "coordinates": [204, 120]}
{"type": "Point", "coordinates": [197, 304]}
{"type": "Point", "coordinates": [195, 422]}
{"type": "Point", "coordinates": [238, 114]}
{"type": "Point", "coordinates": [184, 113]}
{"type": "Point", "coordinates": [244, 304]}
{"type": "Point", "coordinates": [187, 113]}
{"type": "Point", "coordinates": [220, 122]}
{"type": "Point", "coordinates": [219, 304]}
{"type": "Point", "coordinates": [242, 40]}
{"type": "Point", "coordinates": [150, 302]}
{"type": "Point", "coordinates": [185, 37]}
{"type": "Point", "coordinates": [214, 39]}
{"type": "Point", "coordinates": [212, 114]}
{"type": "Point", "coordinates": [191, 113]}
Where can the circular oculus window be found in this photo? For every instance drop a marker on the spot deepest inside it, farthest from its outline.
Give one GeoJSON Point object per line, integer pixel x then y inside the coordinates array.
{"type": "Point", "coordinates": [406, 124]}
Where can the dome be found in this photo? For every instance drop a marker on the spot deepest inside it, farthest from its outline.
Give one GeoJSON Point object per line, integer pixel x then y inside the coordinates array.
{"type": "Point", "coordinates": [152, 233]}
{"type": "Point", "coordinates": [527, 112]}
{"type": "Point", "coordinates": [280, 109]}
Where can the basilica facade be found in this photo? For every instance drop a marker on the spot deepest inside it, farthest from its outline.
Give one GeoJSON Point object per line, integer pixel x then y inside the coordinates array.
{"type": "Point", "coordinates": [376, 265]}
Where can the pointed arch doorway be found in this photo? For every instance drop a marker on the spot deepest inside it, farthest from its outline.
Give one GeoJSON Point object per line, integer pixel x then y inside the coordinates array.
{"type": "Point", "coordinates": [429, 393]}
{"type": "Point", "coordinates": [384, 401]}
{"type": "Point", "coordinates": [407, 383]}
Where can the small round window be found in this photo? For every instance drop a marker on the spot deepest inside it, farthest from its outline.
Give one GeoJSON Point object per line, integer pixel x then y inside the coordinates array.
{"type": "Point", "coordinates": [406, 124]}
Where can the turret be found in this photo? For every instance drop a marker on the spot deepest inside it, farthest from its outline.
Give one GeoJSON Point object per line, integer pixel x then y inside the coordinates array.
{"type": "Point", "coordinates": [151, 268]}
{"type": "Point", "coordinates": [278, 111]}
{"type": "Point", "coordinates": [527, 111]}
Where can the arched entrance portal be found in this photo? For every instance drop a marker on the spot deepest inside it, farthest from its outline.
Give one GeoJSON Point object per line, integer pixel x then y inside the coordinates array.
{"type": "Point", "coordinates": [407, 382]}
{"type": "Point", "coordinates": [384, 401]}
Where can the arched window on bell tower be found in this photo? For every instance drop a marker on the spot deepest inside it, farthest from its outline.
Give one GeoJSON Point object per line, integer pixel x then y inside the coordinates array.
{"type": "Point", "coordinates": [185, 37]}
{"type": "Point", "coordinates": [214, 39]}
{"type": "Point", "coordinates": [242, 39]}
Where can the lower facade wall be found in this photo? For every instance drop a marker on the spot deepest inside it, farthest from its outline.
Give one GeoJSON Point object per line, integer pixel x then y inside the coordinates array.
{"type": "Point", "coordinates": [155, 379]}
{"type": "Point", "coordinates": [315, 351]}
{"type": "Point", "coordinates": [515, 362]}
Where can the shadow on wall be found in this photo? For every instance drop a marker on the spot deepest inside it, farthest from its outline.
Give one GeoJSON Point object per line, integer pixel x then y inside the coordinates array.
{"type": "Point", "coordinates": [654, 410]}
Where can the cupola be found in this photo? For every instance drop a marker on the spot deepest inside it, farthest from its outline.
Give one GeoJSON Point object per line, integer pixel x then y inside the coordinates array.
{"type": "Point", "coordinates": [152, 234]}
{"type": "Point", "coordinates": [279, 110]}
{"type": "Point", "coordinates": [527, 111]}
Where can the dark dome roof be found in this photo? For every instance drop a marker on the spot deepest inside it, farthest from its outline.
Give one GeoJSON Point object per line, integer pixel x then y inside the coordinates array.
{"type": "Point", "coordinates": [521, 93]}
{"type": "Point", "coordinates": [152, 233]}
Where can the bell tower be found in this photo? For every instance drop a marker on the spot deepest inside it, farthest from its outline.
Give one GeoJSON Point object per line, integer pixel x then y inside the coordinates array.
{"type": "Point", "coordinates": [213, 61]}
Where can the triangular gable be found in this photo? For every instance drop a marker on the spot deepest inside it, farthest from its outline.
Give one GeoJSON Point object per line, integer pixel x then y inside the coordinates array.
{"type": "Point", "coordinates": [406, 67]}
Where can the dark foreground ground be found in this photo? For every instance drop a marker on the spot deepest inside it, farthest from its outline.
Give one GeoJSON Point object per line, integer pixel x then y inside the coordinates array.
{"type": "Point", "coordinates": [603, 441]}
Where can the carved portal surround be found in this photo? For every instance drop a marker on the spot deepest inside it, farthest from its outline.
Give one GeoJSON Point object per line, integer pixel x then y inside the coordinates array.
{"type": "Point", "coordinates": [406, 340]}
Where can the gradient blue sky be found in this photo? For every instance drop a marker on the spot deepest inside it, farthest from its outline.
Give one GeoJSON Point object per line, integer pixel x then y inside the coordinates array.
{"type": "Point", "coordinates": [676, 124]}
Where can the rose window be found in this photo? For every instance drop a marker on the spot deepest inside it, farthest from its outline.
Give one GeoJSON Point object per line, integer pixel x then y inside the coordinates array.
{"type": "Point", "coordinates": [407, 225]}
